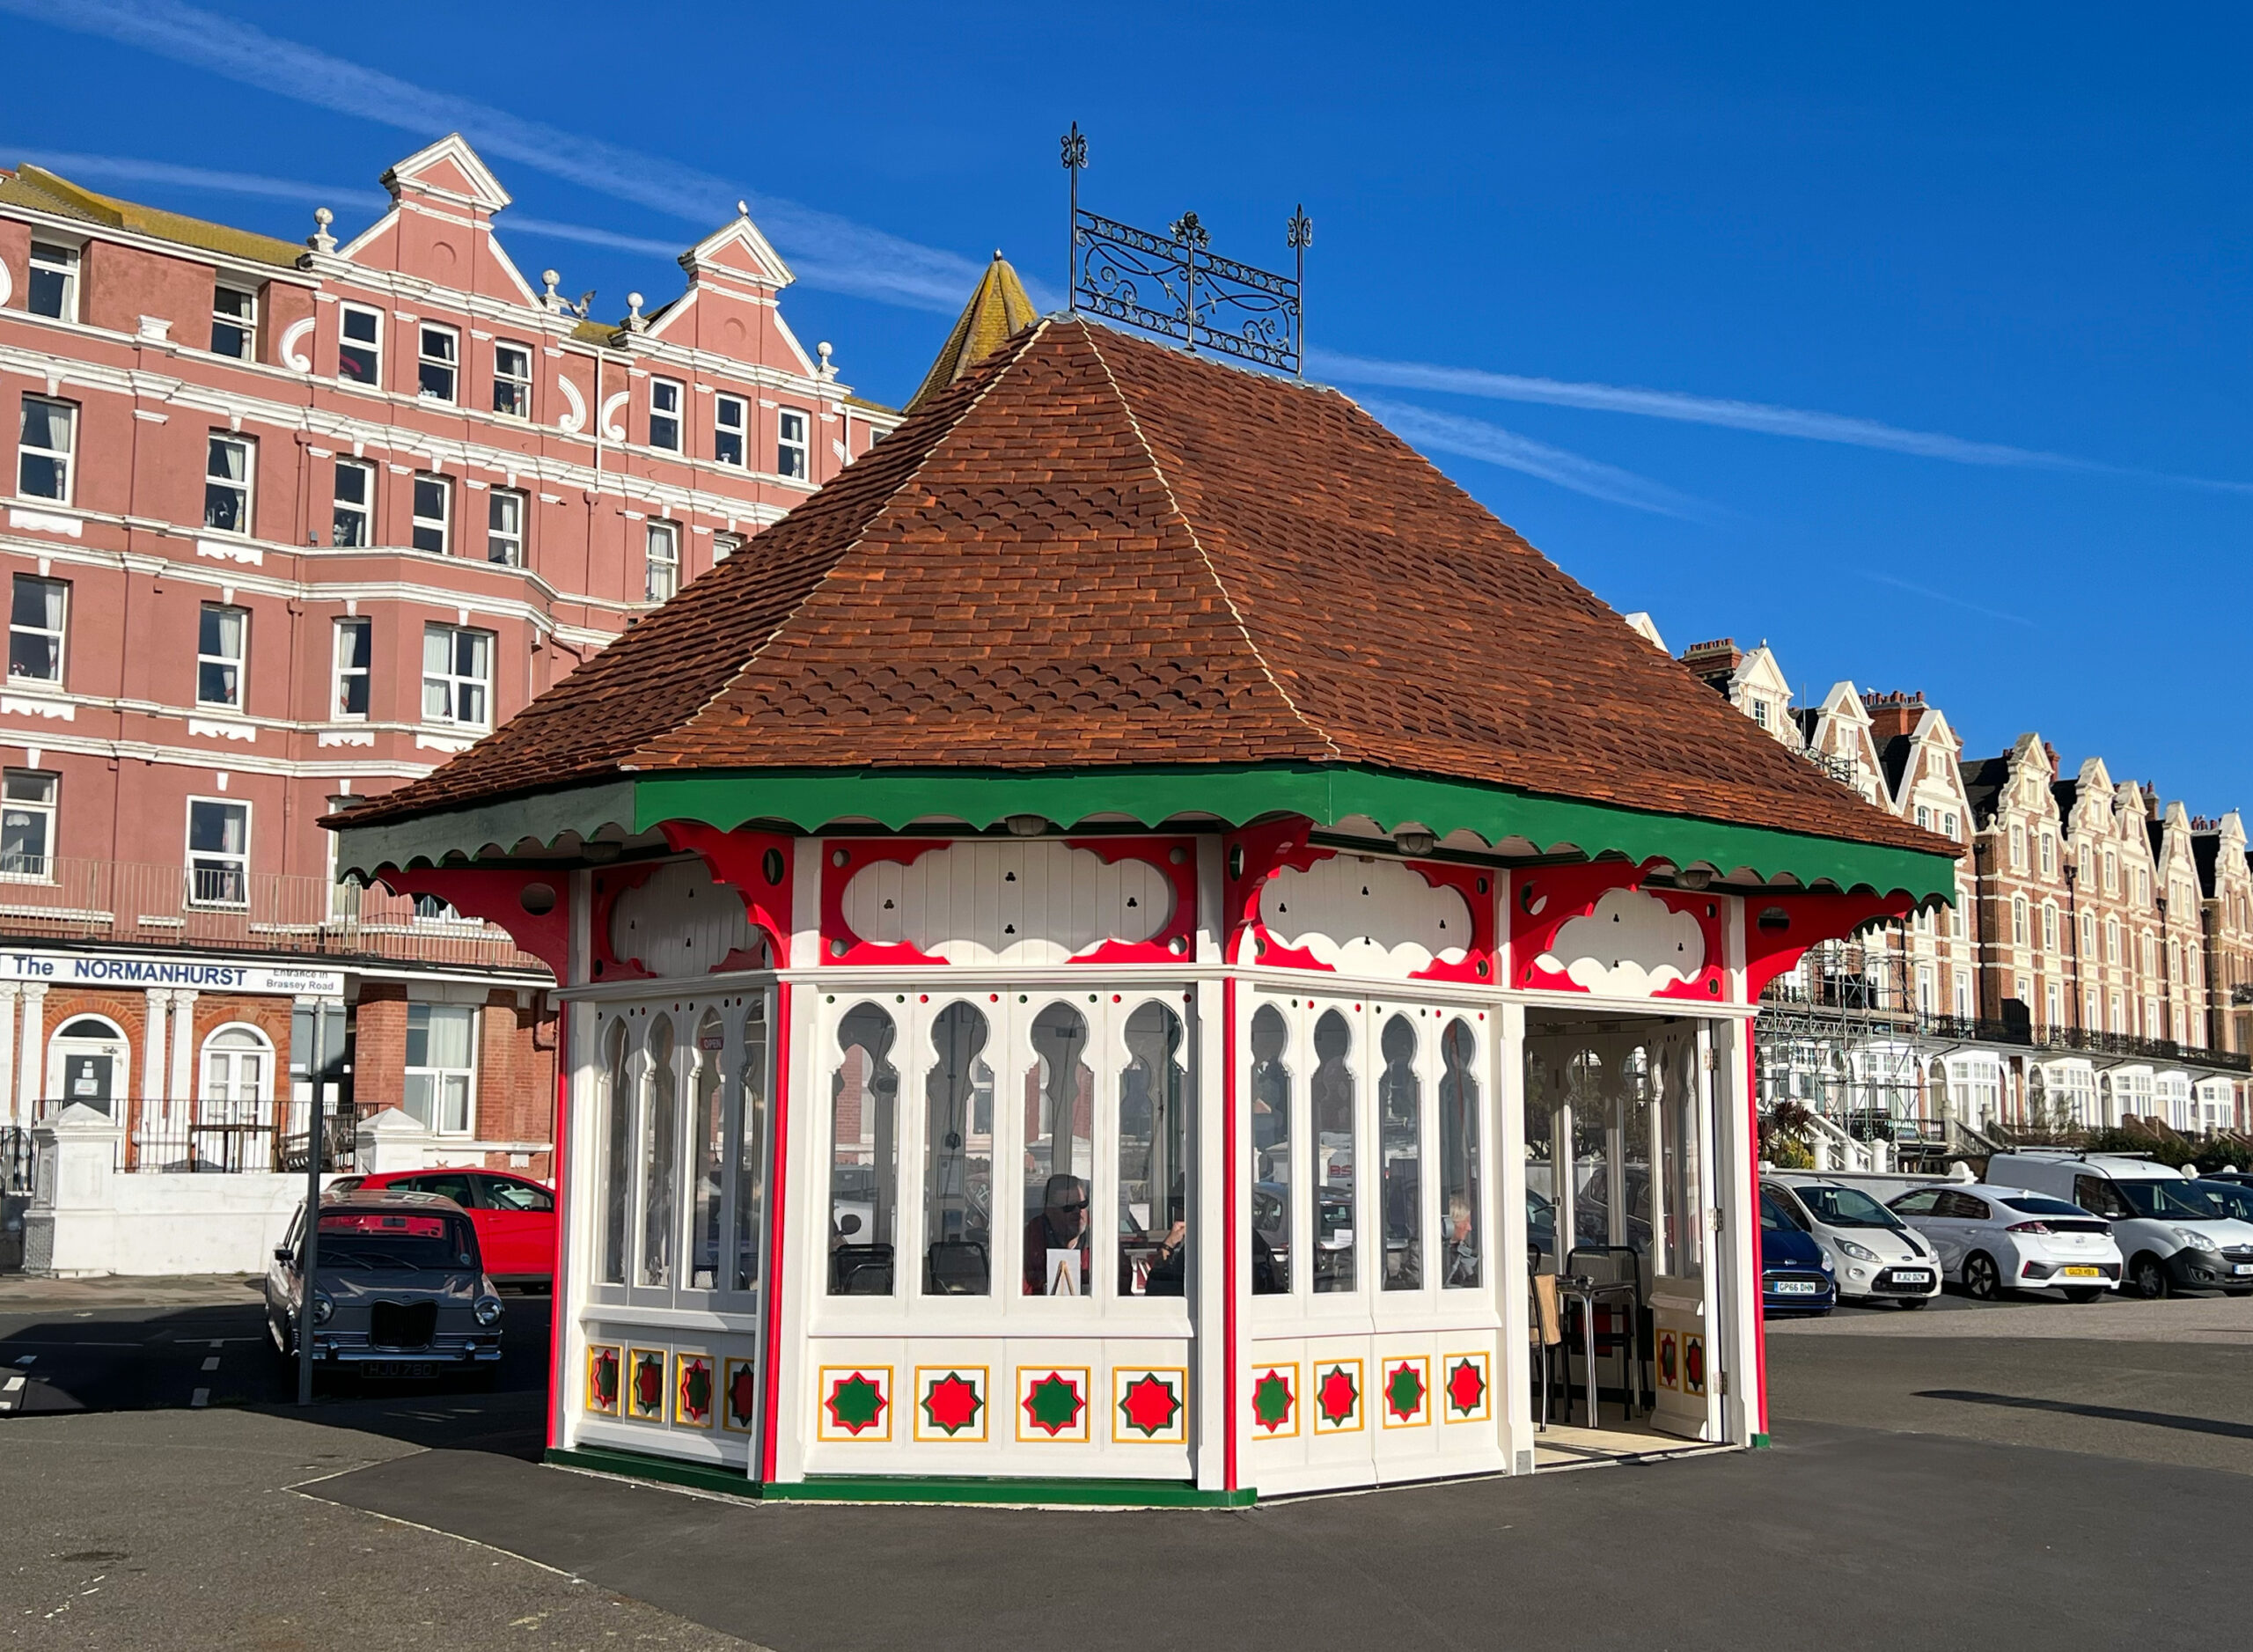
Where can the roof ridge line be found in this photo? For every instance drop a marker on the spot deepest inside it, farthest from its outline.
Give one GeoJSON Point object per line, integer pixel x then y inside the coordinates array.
{"type": "Point", "coordinates": [1236, 613]}
{"type": "Point", "coordinates": [627, 765]}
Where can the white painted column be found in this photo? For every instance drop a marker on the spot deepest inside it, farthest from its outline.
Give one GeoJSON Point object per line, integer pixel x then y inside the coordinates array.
{"type": "Point", "coordinates": [1515, 1376]}
{"type": "Point", "coordinates": [156, 1118]}
{"type": "Point", "coordinates": [31, 1058]}
{"type": "Point", "coordinates": [8, 991]}
{"type": "Point", "coordinates": [181, 1085]}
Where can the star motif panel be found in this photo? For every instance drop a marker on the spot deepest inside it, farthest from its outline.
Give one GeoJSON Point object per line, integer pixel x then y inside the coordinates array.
{"type": "Point", "coordinates": [950, 1404]}
{"type": "Point", "coordinates": [1337, 1395]}
{"type": "Point", "coordinates": [854, 1402]}
{"type": "Point", "coordinates": [1053, 1404]}
{"type": "Point", "coordinates": [1467, 1388]}
{"type": "Point", "coordinates": [691, 1390]}
{"type": "Point", "coordinates": [645, 1385]}
{"type": "Point", "coordinates": [1274, 1398]}
{"type": "Point", "coordinates": [739, 1397]}
{"type": "Point", "coordinates": [1667, 1355]}
{"type": "Point", "coordinates": [606, 1363]}
{"type": "Point", "coordinates": [1149, 1407]}
{"type": "Point", "coordinates": [1407, 1393]}
{"type": "Point", "coordinates": [1693, 1365]}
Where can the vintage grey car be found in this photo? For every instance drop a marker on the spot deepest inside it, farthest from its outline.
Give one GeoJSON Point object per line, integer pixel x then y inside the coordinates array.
{"type": "Point", "coordinates": [400, 1288]}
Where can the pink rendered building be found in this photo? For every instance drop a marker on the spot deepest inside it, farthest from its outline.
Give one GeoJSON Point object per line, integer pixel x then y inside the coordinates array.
{"type": "Point", "coordinates": [287, 526]}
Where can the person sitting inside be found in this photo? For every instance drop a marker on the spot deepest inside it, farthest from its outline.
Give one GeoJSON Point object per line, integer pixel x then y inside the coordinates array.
{"type": "Point", "coordinates": [1060, 1224]}
{"type": "Point", "coordinates": [1459, 1245]}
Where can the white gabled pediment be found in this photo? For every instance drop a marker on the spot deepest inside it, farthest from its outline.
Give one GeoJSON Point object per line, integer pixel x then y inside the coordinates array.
{"type": "Point", "coordinates": [737, 251]}
{"type": "Point", "coordinates": [451, 171]}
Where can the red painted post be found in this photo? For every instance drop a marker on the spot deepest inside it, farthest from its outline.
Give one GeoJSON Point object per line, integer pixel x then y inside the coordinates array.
{"type": "Point", "coordinates": [770, 1302]}
{"type": "Point", "coordinates": [1229, 1235]}
{"type": "Point", "coordinates": [558, 1373]}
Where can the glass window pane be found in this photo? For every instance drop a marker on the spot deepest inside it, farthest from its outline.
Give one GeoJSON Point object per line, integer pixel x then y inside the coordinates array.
{"type": "Point", "coordinates": [418, 1097]}
{"type": "Point", "coordinates": [1400, 1102]}
{"type": "Point", "coordinates": [450, 1035]}
{"type": "Point", "coordinates": [617, 1159]}
{"type": "Point", "coordinates": [1332, 1089]}
{"type": "Point", "coordinates": [418, 1035]}
{"type": "Point", "coordinates": [1058, 1156]}
{"type": "Point", "coordinates": [1152, 1158]}
{"type": "Point", "coordinates": [659, 1150]}
{"type": "Point", "coordinates": [1272, 1152]}
{"type": "Point", "coordinates": [958, 1157]}
{"type": "Point", "coordinates": [1459, 1172]}
{"type": "Point", "coordinates": [865, 1096]}
{"type": "Point", "coordinates": [709, 1125]}
{"type": "Point", "coordinates": [751, 1148]}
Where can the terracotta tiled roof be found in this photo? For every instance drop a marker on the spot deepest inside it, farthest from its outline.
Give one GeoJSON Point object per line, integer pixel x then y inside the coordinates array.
{"type": "Point", "coordinates": [998, 310]}
{"type": "Point", "coordinates": [42, 191]}
{"type": "Point", "coordinates": [1095, 550]}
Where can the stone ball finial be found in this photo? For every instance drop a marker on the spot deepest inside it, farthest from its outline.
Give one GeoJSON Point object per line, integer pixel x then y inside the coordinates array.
{"type": "Point", "coordinates": [551, 276]}
{"type": "Point", "coordinates": [323, 216]}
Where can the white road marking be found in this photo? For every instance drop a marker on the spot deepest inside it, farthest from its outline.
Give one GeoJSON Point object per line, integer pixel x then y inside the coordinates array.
{"type": "Point", "coordinates": [211, 1362]}
{"type": "Point", "coordinates": [27, 1359]}
{"type": "Point", "coordinates": [13, 1384]}
{"type": "Point", "coordinates": [200, 1399]}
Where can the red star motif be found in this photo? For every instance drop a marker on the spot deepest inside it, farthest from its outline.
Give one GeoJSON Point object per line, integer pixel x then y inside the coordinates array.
{"type": "Point", "coordinates": [1337, 1395]}
{"type": "Point", "coordinates": [1150, 1404]}
{"type": "Point", "coordinates": [952, 1402]}
{"type": "Point", "coordinates": [1466, 1387]}
{"type": "Point", "coordinates": [742, 1394]}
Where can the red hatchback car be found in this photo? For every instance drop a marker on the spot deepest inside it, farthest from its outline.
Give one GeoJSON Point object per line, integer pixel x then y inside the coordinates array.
{"type": "Point", "coordinates": [514, 1215]}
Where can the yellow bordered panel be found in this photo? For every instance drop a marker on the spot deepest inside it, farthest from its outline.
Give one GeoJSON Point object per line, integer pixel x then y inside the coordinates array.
{"type": "Point", "coordinates": [1273, 1400]}
{"type": "Point", "coordinates": [645, 1384]}
{"type": "Point", "coordinates": [692, 1398]}
{"type": "Point", "coordinates": [1337, 1397]}
{"type": "Point", "coordinates": [1053, 1404]}
{"type": "Point", "coordinates": [1666, 1354]}
{"type": "Point", "coordinates": [1693, 1365]}
{"type": "Point", "coordinates": [1466, 1387]}
{"type": "Point", "coordinates": [739, 1397]}
{"type": "Point", "coordinates": [606, 1378]}
{"type": "Point", "coordinates": [951, 1404]}
{"type": "Point", "coordinates": [853, 1403]}
{"type": "Point", "coordinates": [1149, 1406]}
{"type": "Point", "coordinates": [1404, 1394]}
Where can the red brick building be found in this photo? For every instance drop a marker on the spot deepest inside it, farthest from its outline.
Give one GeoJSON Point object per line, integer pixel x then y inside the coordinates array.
{"type": "Point", "coordinates": [287, 526]}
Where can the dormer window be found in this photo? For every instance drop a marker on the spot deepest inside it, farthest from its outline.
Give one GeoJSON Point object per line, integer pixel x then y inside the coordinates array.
{"type": "Point", "coordinates": [1760, 712]}
{"type": "Point", "coordinates": [437, 366]}
{"type": "Point", "coordinates": [53, 286]}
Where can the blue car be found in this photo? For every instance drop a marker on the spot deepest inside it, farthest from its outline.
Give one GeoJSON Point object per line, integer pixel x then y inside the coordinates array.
{"type": "Point", "coordinates": [1796, 1276]}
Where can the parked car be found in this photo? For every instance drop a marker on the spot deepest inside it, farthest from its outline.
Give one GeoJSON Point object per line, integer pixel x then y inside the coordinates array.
{"type": "Point", "coordinates": [1994, 1239]}
{"type": "Point", "coordinates": [399, 1287]}
{"type": "Point", "coordinates": [1794, 1274]}
{"type": "Point", "coordinates": [514, 1215]}
{"type": "Point", "coordinates": [2172, 1238]}
{"type": "Point", "coordinates": [1873, 1255]}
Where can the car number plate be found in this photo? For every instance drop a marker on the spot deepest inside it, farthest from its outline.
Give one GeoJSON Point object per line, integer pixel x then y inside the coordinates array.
{"type": "Point", "coordinates": [399, 1367]}
{"type": "Point", "coordinates": [2243, 1267]}
{"type": "Point", "coordinates": [1797, 1287]}
{"type": "Point", "coordinates": [1912, 1276]}
{"type": "Point", "coordinates": [2082, 1273]}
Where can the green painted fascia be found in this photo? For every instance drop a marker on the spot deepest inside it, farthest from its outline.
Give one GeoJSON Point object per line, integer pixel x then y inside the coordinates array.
{"type": "Point", "coordinates": [542, 816]}
{"type": "Point", "coordinates": [884, 1488]}
{"type": "Point", "coordinates": [1323, 793]}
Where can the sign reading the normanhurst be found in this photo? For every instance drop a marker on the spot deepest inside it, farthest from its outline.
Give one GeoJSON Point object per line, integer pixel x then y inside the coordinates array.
{"type": "Point", "coordinates": [84, 969]}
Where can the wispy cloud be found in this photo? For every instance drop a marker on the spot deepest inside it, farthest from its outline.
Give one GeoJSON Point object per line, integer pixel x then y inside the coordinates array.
{"type": "Point", "coordinates": [1475, 438]}
{"type": "Point", "coordinates": [826, 251]}
{"type": "Point", "coordinates": [1930, 595]}
{"type": "Point", "coordinates": [128, 169]}
{"type": "Point", "coordinates": [1736, 415]}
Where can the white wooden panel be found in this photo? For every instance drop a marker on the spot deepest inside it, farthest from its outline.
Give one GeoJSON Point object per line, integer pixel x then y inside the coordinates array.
{"type": "Point", "coordinates": [680, 923]}
{"type": "Point", "coordinates": [1007, 902]}
{"type": "Point", "coordinates": [1373, 917]}
{"type": "Point", "coordinates": [1631, 946]}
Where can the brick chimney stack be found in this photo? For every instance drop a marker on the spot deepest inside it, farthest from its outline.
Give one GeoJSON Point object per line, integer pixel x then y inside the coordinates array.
{"type": "Point", "coordinates": [1714, 663]}
{"type": "Point", "coordinates": [1894, 713]}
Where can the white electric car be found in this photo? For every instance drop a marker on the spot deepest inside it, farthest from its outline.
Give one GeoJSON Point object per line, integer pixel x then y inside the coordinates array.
{"type": "Point", "coordinates": [1875, 1256]}
{"type": "Point", "coordinates": [2173, 1239]}
{"type": "Point", "coordinates": [1995, 1239]}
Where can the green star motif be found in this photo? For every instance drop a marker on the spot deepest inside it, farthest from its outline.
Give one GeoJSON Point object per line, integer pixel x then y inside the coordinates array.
{"type": "Point", "coordinates": [1271, 1400]}
{"type": "Point", "coordinates": [1404, 1392]}
{"type": "Point", "coordinates": [856, 1403]}
{"type": "Point", "coordinates": [1053, 1404]}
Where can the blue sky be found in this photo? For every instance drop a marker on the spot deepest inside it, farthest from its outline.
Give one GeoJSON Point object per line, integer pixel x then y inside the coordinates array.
{"type": "Point", "coordinates": [1917, 346]}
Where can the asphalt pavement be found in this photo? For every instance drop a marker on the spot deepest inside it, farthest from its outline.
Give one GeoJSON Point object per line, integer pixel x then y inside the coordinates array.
{"type": "Point", "coordinates": [1996, 1485]}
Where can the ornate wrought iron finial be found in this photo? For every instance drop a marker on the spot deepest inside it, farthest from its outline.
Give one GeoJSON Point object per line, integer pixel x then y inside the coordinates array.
{"type": "Point", "coordinates": [1074, 144]}
{"type": "Point", "coordinates": [1075, 148]}
{"type": "Point", "coordinates": [1298, 234]}
{"type": "Point", "coordinates": [1190, 232]}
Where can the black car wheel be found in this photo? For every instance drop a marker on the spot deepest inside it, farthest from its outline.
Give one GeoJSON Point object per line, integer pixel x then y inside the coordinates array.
{"type": "Point", "coordinates": [1981, 1277]}
{"type": "Point", "coordinates": [2147, 1278]}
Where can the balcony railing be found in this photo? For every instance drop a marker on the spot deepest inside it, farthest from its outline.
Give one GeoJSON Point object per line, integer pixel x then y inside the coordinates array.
{"type": "Point", "coordinates": [123, 903]}
{"type": "Point", "coordinates": [1979, 1030]}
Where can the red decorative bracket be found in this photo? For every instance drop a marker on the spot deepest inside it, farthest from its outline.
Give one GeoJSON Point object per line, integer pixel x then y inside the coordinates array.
{"type": "Point", "coordinates": [1476, 886]}
{"type": "Point", "coordinates": [841, 859]}
{"type": "Point", "coordinates": [1252, 856]}
{"type": "Point", "coordinates": [758, 866]}
{"type": "Point", "coordinates": [1545, 899]}
{"type": "Point", "coordinates": [1177, 859]}
{"type": "Point", "coordinates": [533, 906]}
{"type": "Point", "coordinates": [1779, 929]}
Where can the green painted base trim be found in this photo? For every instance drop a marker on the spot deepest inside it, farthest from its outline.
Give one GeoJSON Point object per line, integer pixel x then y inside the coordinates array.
{"type": "Point", "coordinates": [1761, 1442]}
{"type": "Point", "coordinates": [1128, 1493]}
{"type": "Point", "coordinates": [884, 1488]}
{"type": "Point", "coordinates": [670, 1471]}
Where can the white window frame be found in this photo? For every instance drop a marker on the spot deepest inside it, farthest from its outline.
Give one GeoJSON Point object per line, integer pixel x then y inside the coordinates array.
{"type": "Point", "coordinates": [446, 363]}
{"type": "Point", "coordinates": [244, 323]}
{"type": "Point", "coordinates": [342, 670]}
{"type": "Point", "coordinates": [32, 869]}
{"type": "Point", "coordinates": [661, 562]}
{"type": "Point", "coordinates": [672, 415]}
{"type": "Point", "coordinates": [41, 260]}
{"type": "Point", "coordinates": [801, 468]}
{"type": "Point", "coordinates": [726, 429]}
{"type": "Point", "coordinates": [442, 522]}
{"type": "Point", "coordinates": [454, 682]}
{"type": "Point", "coordinates": [65, 458]}
{"type": "Point", "coordinates": [221, 859]}
{"type": "Point", "coordinates": [239, 662]}
{"type": "Point", "coordinates": [364, 512]}
{"type": "Point", "coordinates": [504, 547]}
{"type": "Point", "coordinates": [724, 546]}
{"type": "Point", "coordinates": [373, 346]}
{"type": "Point", "coordinates": [512, 392]}
{"type": "Point", "coordinates": [438, 1076]}
{"type": "Point", "coordinates": [60, 635]}
{"type": "Point", "coordinates": [217, 484]}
